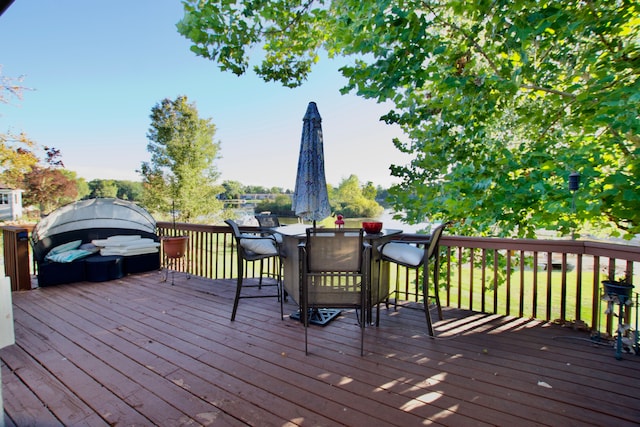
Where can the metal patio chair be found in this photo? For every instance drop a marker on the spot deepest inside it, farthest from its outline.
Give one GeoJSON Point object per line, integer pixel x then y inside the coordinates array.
{"type": "Point", "coordinates": [407, 254]}
{"type": "Point", "coordinates": [251, 248]}
{"type": "Point", "coordinates": [334, 273]}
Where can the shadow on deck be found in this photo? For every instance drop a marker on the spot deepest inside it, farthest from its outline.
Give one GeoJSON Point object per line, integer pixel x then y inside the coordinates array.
{"type": "Point", "coordinates": [138, 351]}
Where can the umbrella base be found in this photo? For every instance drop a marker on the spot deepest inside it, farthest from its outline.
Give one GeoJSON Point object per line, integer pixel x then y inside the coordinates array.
{"type": "Point", "coordinates": [318, 316]}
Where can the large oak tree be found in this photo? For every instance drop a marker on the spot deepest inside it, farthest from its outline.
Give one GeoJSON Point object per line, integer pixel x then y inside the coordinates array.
{"type": "Point", "coordinates": [500, 100]}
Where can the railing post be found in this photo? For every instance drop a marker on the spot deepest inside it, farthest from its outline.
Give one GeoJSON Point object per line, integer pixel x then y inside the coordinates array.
{"type": "Point", "coordinates": [16, 257]}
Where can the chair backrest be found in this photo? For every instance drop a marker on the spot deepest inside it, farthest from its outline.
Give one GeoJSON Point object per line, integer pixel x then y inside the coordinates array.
{"type": "Point", "coordinates": [434, 241]}
{"type": "Point", "coordinates": [234, 228]}
{"type": "Point", "coordinates": [334, 273]}
{"type": "Point", "coordinates": [268, 220]}
{"type": "Point", "coordinates": [329, 250]}
{"type": "Point", "coordinates": [252, 247]}
{"type": "Point", "coordinates": [334, 268]}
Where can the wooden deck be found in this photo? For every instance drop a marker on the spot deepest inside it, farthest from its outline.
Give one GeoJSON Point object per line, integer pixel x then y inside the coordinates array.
{"type": "Point", "coordinates": [140, 352]}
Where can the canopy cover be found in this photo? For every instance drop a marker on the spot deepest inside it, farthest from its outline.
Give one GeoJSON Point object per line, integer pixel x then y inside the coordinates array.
{"type": "Point", "coordinates": [94, 213]}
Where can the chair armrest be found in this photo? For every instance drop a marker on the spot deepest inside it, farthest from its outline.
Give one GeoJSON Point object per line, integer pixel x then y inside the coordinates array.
{"type": "Point", "coordinates": [256, 237]}
{"type": "Point", "coordinates": [407, 242]}
{"type": "Point", "coordinates": [425, 241]}
{"type": "Point", "coordinates": [267, 230]}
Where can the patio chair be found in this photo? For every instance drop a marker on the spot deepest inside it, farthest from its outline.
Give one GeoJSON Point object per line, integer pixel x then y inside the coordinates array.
{"type": "Point", "coordinates": [267, 222]}
{"type": "Point", "coordinates": [251, 248]}
{"type": "Point", "coordinates": [334, 273]}
{"type": "Point", "coordinates": [411, 256]}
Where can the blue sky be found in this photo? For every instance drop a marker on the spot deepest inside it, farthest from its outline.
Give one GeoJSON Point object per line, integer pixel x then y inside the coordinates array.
{"type": "Point", "coordinates": [98, 67]}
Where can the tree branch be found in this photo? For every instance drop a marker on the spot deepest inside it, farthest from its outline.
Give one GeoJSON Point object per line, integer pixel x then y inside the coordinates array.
{"type": "Point", "coordinates": [472, 40]}
{"type": "Point", "coordinates": [549, 90]}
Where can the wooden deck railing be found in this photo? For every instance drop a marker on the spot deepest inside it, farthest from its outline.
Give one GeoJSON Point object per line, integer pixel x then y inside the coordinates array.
{"type": "Point", "coordinates": [553, 280]}
{"type": "Point", "coordinates": [211, 251]}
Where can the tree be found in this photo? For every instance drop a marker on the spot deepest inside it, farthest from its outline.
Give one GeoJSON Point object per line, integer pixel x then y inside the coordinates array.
{"type": "Point", "coordinates": [46, 183]}
{"type": "Point", "coordinates": [129, 190]}
{"type": "Point", "coordinates": [354, 200]}
{"type": "Point", "coordinates": [103, 188]}
{"type": "Point", "coordinates": [10, 87]}
{"type": "Point", "coordinates": [181, 174]}
{"type": "Point", "coordinates": [81, 184]}
{"type": "Point", "coordinates": [280, 206]}
{"type": "Point", "coordinates": [500, 101]}
{"type": "Point", "coordinates": [48, 189]}
{"type": "Point", "coordinates": [369, 190]}
{"type": "Point", "coordinates": [232, 190]}
{"type": "Point", "coordinates": [50, 186]}
{"type": "Point", "coordinates": [382, 195]}
{"type": "Point", "coordinates": [121, 189]}
{"type": "Point", "coordinates": [17, 158]}
{"type": "Point", "coordinates": [16, 151]}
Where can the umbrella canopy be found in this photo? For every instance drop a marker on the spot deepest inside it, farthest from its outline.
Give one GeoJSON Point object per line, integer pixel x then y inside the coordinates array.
{"type": "Point", "coordinates": [310, 198]}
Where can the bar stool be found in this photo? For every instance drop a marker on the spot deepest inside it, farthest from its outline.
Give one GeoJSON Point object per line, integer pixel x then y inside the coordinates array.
{"type": "Point", "coordinates": [407, 254]}
{"type": "Point", "coordinates": [251, 248]}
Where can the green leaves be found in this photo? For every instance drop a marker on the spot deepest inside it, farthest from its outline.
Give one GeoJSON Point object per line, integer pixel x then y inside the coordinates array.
{"type": "Point", "coordinates": [499, 100]}
{"type": "Point", "coordinates": [181, 172]}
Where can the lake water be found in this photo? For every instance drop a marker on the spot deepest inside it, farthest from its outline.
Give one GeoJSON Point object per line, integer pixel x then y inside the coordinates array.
{"type": "Point", "coordinates": [389, 222]}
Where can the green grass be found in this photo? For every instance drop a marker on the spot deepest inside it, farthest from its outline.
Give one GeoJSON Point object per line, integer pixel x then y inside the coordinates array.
{"type": "Point", "coordinates": [549, 299]}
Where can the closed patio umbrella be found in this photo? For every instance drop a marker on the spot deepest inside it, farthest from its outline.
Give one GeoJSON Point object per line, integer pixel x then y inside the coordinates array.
{"type": "Point", "coordinates": [310, 198]}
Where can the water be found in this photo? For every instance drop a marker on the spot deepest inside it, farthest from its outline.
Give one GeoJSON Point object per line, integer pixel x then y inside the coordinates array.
{"type": "Point", "coordinates": [389, 222]}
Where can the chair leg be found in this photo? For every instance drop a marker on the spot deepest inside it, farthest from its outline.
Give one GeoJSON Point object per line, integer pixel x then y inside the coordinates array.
{"type": "Point", "coordinates": [237, 298]}
{"type": "Point", "coordinates": [363, 301]}
{"type": "Point", "coordinates": [379, 290]}
{"type": "Point", "coordinates": [429, 323]}
{"type": "Point", "coordinates": [305, 316]}
{"type": "Point", "coordinates": [280, 290]}
{"type": "Point", "coordinates": [362, 337]}
{"type": "Point", "coordinates": [378, 302]}
{"type": "Point", "coordinates": [425, 298]}
{"type": "Point", "coordinates": [386, 300]}
{"type": "Point", "coordinates": [436, 289]}
{"type": "Point", "coordinates": [437, 295]}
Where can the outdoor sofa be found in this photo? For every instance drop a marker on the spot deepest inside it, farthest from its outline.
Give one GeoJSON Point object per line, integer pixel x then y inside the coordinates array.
{"type": "Point", "coordinates": [94, 240]}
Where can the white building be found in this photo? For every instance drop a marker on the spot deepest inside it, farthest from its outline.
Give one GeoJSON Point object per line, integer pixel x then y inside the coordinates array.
{"type": "Point", "coordinates": [10, 203]}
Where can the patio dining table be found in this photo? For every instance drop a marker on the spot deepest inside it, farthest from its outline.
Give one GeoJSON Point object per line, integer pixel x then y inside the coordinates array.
{"type": "Point", "coordinates": [293, 235]}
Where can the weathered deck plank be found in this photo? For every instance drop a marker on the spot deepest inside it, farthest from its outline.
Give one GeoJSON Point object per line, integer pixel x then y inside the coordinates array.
{"type": "Point", "coordinates": [138, 351]}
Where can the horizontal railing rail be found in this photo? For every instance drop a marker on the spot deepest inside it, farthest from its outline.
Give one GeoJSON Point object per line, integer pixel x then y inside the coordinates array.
{"type": "Point", "coordinates": [552, 280]}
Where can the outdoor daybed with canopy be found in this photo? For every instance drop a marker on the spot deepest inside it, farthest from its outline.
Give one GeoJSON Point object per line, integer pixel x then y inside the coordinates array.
{"type": "Point", "coordinates": [96, 239]}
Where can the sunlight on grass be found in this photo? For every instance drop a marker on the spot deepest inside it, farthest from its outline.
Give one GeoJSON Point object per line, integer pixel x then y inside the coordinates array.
{"type": "Point", "coordinates": [520, 294]}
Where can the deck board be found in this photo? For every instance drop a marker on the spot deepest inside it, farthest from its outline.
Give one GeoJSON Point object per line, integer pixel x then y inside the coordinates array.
{"type": "Point", "coordinates": [138, 351]}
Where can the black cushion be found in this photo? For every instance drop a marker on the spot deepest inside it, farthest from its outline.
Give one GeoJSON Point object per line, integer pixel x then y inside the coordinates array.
{"type": "Point", "coordinates": [140, 263]}
{"type": "Point", "coordinates": [103, 268]}
{"type": "Point", "coordinates": [56, 273]}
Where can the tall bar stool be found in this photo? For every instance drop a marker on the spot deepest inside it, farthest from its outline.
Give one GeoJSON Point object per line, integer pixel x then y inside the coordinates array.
{"type": "Point", "coordinates": [407, 254]}
{"type": "Point", "coordinates": [251, 248]}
